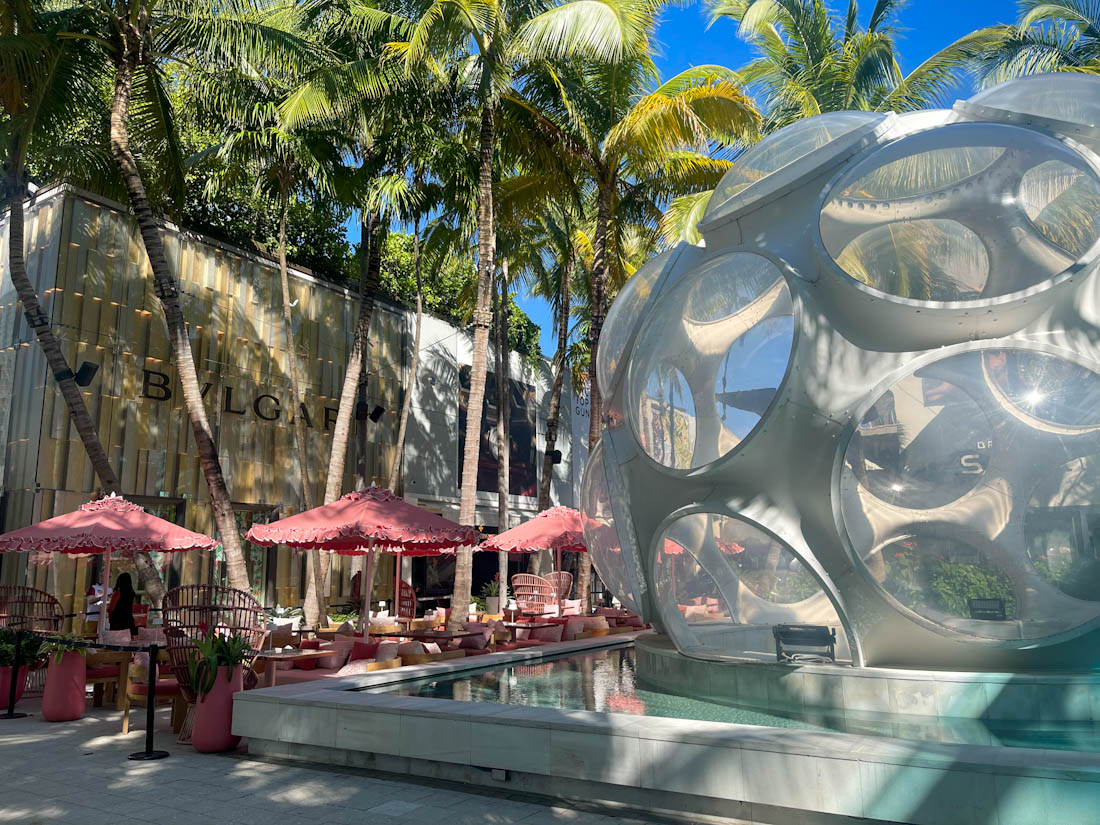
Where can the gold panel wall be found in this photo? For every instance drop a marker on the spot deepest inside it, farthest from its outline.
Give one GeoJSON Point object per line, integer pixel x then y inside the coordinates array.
{"type": "Point", "coordinates": [86, 259]}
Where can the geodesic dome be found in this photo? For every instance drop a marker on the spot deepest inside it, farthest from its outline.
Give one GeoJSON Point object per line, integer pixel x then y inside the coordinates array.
{"type": "Point", "coordinates": [871, 399]}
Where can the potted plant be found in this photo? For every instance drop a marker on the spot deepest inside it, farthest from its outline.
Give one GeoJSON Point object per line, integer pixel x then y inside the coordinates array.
{"type": "Point", "coordinates": [490, 591]}
{"type": "Point", "coordinates": [29, 657]}
{"type": "Point", "coordinates": [216, 668]}
{"type": "Point", "coordinates": [63, 699]}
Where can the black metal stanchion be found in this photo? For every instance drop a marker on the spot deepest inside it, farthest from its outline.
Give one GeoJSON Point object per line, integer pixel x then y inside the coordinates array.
{"type": "Point", "coordinates": [13, 682]}
{"type": "Point", "coordinates": [150, 711]}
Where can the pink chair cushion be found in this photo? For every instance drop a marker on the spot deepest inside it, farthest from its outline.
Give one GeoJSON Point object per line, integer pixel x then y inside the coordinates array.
{"type": "Point", "coordinates": [573, 626]}
{"type": "Point", "coordinates": [363, 650]}
{"type": "Point", "coordinates": [308, 664]}
{"type": "Point", "coordinates": [342, 645]}
{"type": "Point", "coordinates": [570, 607]}
{"type": "Point", "coordinates": [431, 647]}
{"type": "Point", "coordinates": [165, 687]}
{"type": "Point", "coordinates": [406, 648]}
{"type": "Point", "coordinates": [356, 668]}
{"type": "Point", "coordinates": [102, 672]}
{"type": "Point", "coordinates": [386, 651]}
{"type": "Point", "coordinates": [548, 634]}
{"type": "Point", "coordinates": [480, 641]}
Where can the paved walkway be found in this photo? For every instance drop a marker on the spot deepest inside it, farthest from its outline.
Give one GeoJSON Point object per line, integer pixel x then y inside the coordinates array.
{"type": "Point", "coordinates": [77, 772]}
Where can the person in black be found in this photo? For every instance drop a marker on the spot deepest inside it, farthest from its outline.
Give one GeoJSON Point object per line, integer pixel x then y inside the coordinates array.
{"type": "Point", "coordinates": [121, 610]}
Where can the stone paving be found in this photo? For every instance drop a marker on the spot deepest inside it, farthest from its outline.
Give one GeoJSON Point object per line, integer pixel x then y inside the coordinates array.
{"type": "Point", "coordinates": [77, 772]}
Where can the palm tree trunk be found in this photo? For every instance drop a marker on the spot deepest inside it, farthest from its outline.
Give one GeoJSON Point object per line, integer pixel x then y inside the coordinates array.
{"type": "Point", "coordinates": [414, 363]}
{"type": "Point", "coordinates": [600, 265]}
{"type": "Point", "coordinates": [482, 320]}
{"type": "Point", "coordinates": [554, 417]}
{"type": "Point", "coordinates": [314, 607]}
{"type": "Point", "coordinates": [167, 290]}
{"type": "Point", "coordinates": [369, 276]}
{"type": "Point", "coordinates": [504, 412]}
{"type": "Point", "coordinates": [39, 323]}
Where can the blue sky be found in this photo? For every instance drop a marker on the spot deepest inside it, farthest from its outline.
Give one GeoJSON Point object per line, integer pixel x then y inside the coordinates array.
{"type": "Point", "coordinates": [685, 40]}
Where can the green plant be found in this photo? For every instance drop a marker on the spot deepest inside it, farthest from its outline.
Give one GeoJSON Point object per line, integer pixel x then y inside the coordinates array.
{"type": "Point", "coordinates": [218, 649]}
{"type": "Point", "coordinates": [29, 649]}
{"type": "Point", "coordinates": [62, 645]}
{"type": "Point", "coordinates": [490, 588]}
{"type": "Point", "coordinates": [479, 601]}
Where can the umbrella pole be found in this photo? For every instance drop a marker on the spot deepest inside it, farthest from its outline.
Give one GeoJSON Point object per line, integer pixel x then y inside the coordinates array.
{"type": "Point", "coordinates": [105, 601]}
{"type": "Point", "coordinates": [368, 587]}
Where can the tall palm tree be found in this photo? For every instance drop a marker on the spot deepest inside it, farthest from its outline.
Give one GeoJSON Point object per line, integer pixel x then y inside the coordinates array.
{"type": "Point", "coordinates": [51, 75]}
{"type": "Point", "coordinates": [282, 162]}
{"type": "Point", "coordinates": [494, 43]}
{"type": "Point", "coordinates": [142, 37]}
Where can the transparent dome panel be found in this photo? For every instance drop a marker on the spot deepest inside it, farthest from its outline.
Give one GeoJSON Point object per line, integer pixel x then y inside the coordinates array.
{"type": "Point", "coordinates": [781, 149]}
{"type": "Point", "coordinates": [966, 477]}
{"type": "Point", "coordinates": [963, 212]}
{"type": "Point", "coordinates": [710, 359]}
{"type": "Point", "coordinates": [722, 583]}
{"type": "Point", "coordinates": [600, 534]}
{"type": "Point", "coordinates": [623, 316]}
{"type": "Point", "coordinates": [1065, 96]}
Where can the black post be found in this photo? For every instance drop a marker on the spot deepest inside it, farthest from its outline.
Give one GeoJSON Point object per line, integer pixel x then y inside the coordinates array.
{"type": "Point", "coordinates": [150, 711]}
{"type": "Point", "coordinates": [17, 662]}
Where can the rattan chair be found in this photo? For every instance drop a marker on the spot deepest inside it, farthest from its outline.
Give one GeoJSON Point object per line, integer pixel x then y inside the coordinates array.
{"type": "Point", "coordinates": [190, 612]}
{"type": "Point", "coordinates": [562, 583]}
{"type": "Point", "coordinates": [534, 595]}
{"type": "Point", "coordinates": [27, 608]}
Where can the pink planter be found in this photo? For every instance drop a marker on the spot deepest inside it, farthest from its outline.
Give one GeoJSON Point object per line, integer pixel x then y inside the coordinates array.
{"type": "Point", "coordinates": [63, 699]}
{"type": "Point", "coordinates": [213, 723]}
{"type": "Point", "coordinates": [5, 685]}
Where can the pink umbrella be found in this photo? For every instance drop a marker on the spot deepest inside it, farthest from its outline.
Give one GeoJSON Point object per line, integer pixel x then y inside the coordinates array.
{"type": "Point", "coordinates": [559, 529]}
{"type": "Point", "coordinates": [355, 523]}
{"type": "Point", "coordinates": [100, 527]}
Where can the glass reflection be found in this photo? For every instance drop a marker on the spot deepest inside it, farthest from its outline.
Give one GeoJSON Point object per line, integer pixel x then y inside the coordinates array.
{"type": "Point", "coordinates": [710, 359]}
{"type": "Point", "coordinates": [600, 535]}
{"type": "Point", "coordinates": [968, 491]}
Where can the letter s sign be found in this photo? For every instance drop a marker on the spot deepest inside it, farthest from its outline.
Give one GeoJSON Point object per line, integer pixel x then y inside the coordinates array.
{"type": "Point", "coordinates": [972, 464]}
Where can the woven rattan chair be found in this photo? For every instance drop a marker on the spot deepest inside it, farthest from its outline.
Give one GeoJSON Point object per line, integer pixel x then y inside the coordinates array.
{"type": "Point", "coordinates": [562, 583]}
{"type": "Point", "coordinates": [534, 595]}
{"type": "Point", "coordinates": [190, 612]}
{"type": "Point", "coordinates": [27, 608]}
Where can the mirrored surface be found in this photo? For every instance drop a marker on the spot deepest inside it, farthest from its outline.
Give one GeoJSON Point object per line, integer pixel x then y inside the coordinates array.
{"type": "Point", "coordinates": [600, 534]}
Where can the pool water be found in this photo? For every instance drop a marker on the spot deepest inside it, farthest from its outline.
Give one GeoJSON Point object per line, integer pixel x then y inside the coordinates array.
{"type": "Point", "coordinates": [606, 681]}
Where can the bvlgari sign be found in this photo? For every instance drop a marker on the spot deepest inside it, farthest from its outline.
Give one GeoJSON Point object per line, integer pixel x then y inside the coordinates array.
{"type": "Point", "coordinates": [157, 386]}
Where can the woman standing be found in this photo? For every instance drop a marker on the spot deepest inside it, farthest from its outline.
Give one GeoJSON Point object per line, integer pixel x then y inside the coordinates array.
{"type": "Point", "coordinates": [121, 609]}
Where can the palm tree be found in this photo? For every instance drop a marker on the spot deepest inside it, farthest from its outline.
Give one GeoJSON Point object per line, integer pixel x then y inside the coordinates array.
{"type": "Point", "coordinates": [506, 39]}
{"type": "Point", "coordinates": [282, 162]}
{"type": "Point", "coordinates": [810, 62]}
{"type": "Point", "coordinates": [51, 80]}
{"type": "Point", "coordinates": [1050, 36]}
{"type": "Point", "coordinates": [141, 37]}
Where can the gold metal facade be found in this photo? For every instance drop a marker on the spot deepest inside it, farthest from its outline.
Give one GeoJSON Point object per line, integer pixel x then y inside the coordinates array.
{"type": "Point", "coordinates": [88, 265]}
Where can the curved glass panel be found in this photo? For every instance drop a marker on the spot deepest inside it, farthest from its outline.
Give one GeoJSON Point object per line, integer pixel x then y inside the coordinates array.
{"type": "Point", "coordinates": [1063, 203]}
{"type": "Point", "coordinates": [600, 535]}
{"type": "Point", "coordinates": [623, 316]}
{"type": "Point", "coordinates": [930, 218]}
{"type": "Point", "coordinates": [780, 149]}
{"type": "Point", "coordinates": [722, 583]}
{"type": "Point", "coordinates": [710, 359]}
{"type": "Point", "coordinates": [934, 259]}
{"type": "Point", "coordinates": [967, 491]}
{"type": "Point", "coordinates": [1066, 96]}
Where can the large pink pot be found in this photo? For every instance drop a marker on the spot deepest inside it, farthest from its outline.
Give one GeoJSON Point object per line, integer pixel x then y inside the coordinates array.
{"type": "Point", "coordinates": [213, 723]}
{"type": "Point", "coordinates": [63, 699]}
{"type": "Point", "coordinates": [5, 685]}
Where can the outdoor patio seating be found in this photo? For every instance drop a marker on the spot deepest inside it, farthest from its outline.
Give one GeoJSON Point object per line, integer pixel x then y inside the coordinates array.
{"type": "Point", "coordinates": [562, 583]}
{"type": "Point", "coordinates": [820, 639]}
{"type": "Point", "coordinates": [27, 608]}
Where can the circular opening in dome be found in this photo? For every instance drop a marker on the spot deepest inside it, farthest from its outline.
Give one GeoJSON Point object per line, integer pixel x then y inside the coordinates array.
{"type": "Point", "coordinates": [1062, 529]}
{"type": "Point", "coordinates": [722, 583]}
{"type": "Point", "coordinates": [710, 359]}
{"type": "Point", "coordinates": [601, 536]}
{"type": "Point", "coordinates": [963, 212]}
{"type": "Point", "coordinates": [932, 259]}
{"type": "Point", "coordinates": [625, 312]}
{"type": "Point", "coordinates": [1062, 202]}
{"type": "Point", "coordinates": [779, 151]}
{"type": "Point", "coordinates": [935, 485]}
{"type": "Point", "coordinates": [1066, 96]}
